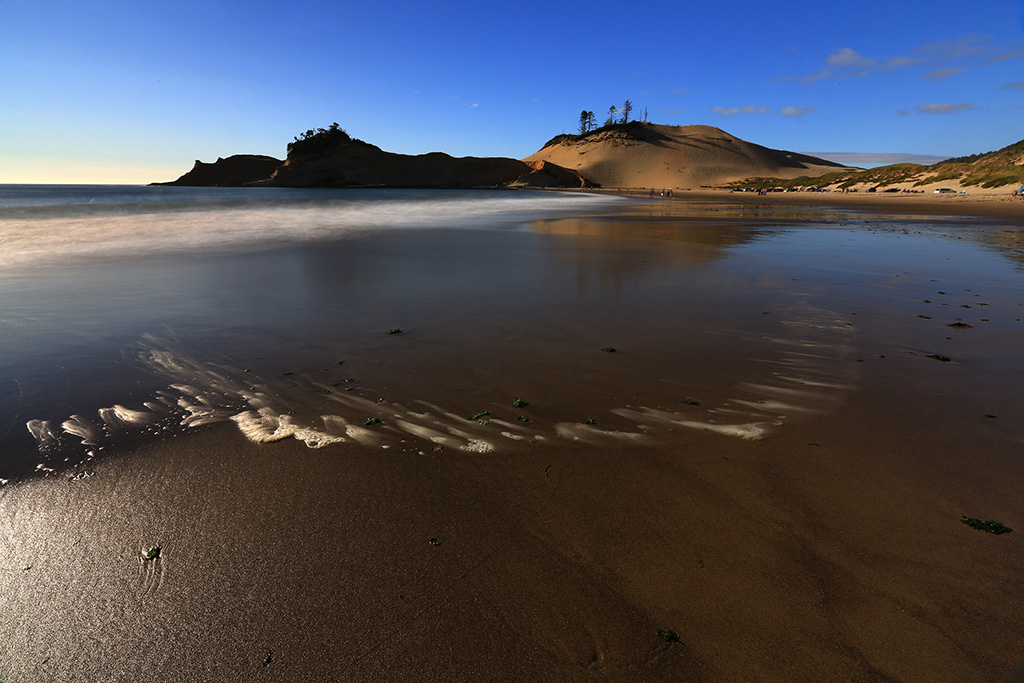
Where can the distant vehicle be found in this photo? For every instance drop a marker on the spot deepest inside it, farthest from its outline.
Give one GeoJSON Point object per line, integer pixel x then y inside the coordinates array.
{"type": "Point", "coordinates": [892, 189]}
{"type": "Point", "coordinates": [945, 190]}
{"type": "Point", "coordinates": [871, 189]}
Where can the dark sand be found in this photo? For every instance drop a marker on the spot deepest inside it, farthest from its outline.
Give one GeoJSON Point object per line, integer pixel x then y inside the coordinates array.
{"type": "Point", "coordinates": [998, 203]}
{"type": "Point", "coordinates": [832, 549]}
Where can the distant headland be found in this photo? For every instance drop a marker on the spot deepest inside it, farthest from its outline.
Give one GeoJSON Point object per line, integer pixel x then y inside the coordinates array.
{"type": "Point", "coordinates": [622, 154]}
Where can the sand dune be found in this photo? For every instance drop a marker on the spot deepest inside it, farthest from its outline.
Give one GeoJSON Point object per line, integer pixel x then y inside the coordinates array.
{"type": "Point", "coordinates": [651, 155]}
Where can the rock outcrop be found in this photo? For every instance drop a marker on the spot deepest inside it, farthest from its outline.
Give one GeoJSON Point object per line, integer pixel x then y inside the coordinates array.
{"type": "Point", "coordinates": [630, 155]}
{"type": "Point", "coordinates": [333, 159]}
{"type": "Point", "coordinates": [237, 170]}
{"type": "Point", "coordinates": [358, 164]}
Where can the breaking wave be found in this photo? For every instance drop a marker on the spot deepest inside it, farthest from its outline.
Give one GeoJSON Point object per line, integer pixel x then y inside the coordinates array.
{"type": "Point", "coordinates": [75, 226]}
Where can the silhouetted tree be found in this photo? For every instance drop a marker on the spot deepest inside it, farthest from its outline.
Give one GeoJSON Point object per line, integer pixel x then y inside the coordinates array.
{"type": "Point", "coordinates": [586, 122]}
{"type": "Point", "coordinates": [317, 140]}
{"type": "Point", "coordinates": [627, 108]}
{"type": "Point", "coordinates": [612, 111]}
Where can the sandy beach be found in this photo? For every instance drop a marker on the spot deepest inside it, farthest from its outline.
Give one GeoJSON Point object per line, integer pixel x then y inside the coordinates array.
{"type": "Point", "coordinates": [977, 202]}
{"type": "Point", "coordinates": [747, 433]}
{"type": "Point", "coordinates": [993, 203]}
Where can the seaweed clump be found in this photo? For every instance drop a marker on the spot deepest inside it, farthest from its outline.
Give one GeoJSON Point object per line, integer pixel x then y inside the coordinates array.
{"type": "Point", "coordinates": [989, 525]}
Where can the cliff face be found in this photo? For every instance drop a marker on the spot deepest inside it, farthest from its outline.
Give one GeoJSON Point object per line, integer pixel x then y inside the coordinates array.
{"type": "Point", "coordinates": [346, 162]}
{"type": "Point", "coordinates": [237, 170]}
{"type": "Point", "coordinates": [358, 164]}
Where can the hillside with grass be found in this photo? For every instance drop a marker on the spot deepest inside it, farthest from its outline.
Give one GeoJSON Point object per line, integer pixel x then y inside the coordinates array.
{"type": "Point", "coordinates": [989, 170]}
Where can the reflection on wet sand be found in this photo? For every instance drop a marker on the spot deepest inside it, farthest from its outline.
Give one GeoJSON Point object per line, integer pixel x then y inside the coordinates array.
{"type": "Point", "coordinates": [759, 436]}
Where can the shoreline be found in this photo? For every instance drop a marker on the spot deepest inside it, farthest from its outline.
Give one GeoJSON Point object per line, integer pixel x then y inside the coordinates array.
{"type": "Point", "coordinates": [982, 204]}
{"type": "Point", "coordinates": [826, 545]}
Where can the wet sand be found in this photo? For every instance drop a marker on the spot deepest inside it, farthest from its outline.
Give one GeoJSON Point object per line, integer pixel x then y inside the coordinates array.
{"type": "Point", "coordinates": [998, 203]}
{"type": "Point", "coordinates": [830, 547]}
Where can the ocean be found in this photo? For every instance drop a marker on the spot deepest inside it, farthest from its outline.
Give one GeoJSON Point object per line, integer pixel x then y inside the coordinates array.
{"type": "Point", "coordinates": [378, 435]}
{"type": "Point", "coordinates": [413, 319]}
{"type": "Point", "coordinates": [91, 274]}
{"type": "Point", "coordinates": [71, 224]}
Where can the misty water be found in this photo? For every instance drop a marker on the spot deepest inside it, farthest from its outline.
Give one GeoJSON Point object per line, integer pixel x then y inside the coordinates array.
{"type": "Point", "coordinates": [135, 313]}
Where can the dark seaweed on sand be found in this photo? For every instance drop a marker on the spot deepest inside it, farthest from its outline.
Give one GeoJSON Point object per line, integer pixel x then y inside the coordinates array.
{"type": "Point", "coordinates": [669, 636]}
{"type": "Point", "coordinates": [989, 525]}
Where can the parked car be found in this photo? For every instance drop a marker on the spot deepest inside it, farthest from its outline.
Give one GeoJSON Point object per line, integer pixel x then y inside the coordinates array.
{"type": "Point", "coordinates": [945, 190]}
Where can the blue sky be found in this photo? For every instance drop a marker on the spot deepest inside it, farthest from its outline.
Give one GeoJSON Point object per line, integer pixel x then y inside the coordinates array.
{"type": "Point", "coordinates": [111, 91]}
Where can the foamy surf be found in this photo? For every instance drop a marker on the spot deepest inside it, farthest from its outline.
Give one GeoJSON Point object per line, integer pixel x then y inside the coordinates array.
{"type": "Point", "coordinates": [816, 379]}
{"type": "Point", "coordinates": [805, 372]}
{"type": "Point", "coordinates": [264, 426]}
{"type": "Point", "coordinates": [154, 221]}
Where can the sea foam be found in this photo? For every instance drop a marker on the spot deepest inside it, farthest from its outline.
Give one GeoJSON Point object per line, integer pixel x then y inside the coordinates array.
{"type": "Point", "coordinates": [49, 228]}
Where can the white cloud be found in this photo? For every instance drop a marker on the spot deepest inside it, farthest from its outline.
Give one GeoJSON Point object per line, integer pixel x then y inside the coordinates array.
{"type": "Point", "coordinates": [797, 110]}
{"type": "Point", "coordinates": [736, 111]}
{"type": "Point", "coordinates": [937, 60]}
{"type": "Point", "coordinates": [868, 159]}
{"type": "Point", "coordinates": [939, 74]}
{"type": "Point", "coordinates": [968, 46]}
{"type": "Point", "coordinates": [935, 108]}
{"type": "Point", "coordinates": [845, 57]}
